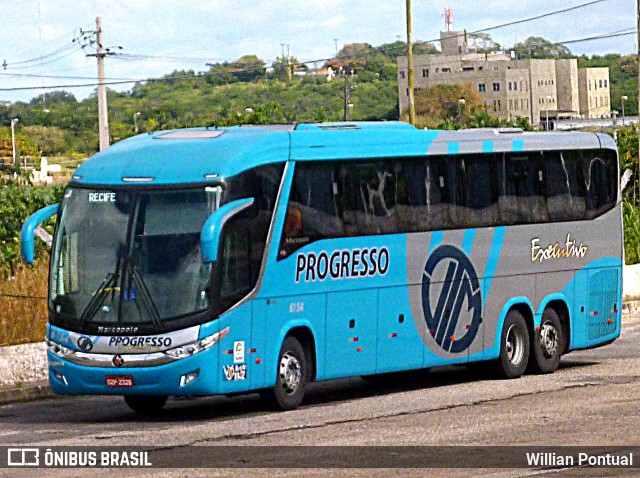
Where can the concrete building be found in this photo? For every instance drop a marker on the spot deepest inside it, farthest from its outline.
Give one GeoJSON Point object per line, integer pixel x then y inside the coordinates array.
{"type": "Point", "coordinates": [539, 90]}
{"type": "Point", "coordinates": [593, 84]}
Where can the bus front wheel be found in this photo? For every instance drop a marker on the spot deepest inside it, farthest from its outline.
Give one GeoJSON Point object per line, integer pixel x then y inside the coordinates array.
{"type": "Point", "coordinates": [145, 404]}
{"type": "Point", "coordinates": [547, 344]}
{"type": "Point", "coordinates": [291, 376]}
{"type": "Point", "coordinates": [514, 346]}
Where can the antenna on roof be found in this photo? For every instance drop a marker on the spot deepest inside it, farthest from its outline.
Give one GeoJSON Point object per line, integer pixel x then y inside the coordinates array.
{"type": "Point", "coordinates": [448, 18]}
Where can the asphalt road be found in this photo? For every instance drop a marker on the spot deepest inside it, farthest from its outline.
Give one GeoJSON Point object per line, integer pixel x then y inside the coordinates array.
{"type": "Point", "coordinates": [591, 400]}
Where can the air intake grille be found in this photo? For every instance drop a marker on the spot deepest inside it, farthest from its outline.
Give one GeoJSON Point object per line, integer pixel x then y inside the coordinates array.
{"type": "Point", "coordinates": [602, 303]}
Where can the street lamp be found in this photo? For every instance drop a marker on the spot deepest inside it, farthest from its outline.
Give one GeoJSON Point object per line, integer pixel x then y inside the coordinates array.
{"type": "Point", "coordinates": [13, 139]}
{"type": "Point", "coordinates": [135, 122]}
{"type": "Point", "coordinates": [461, 103]}
{"type": "Point", "coordinates": [623, 98]}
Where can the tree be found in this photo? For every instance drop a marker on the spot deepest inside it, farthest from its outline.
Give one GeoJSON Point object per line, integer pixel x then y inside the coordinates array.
{"type": "Point", "coordinates": [50, 139]}
{"type": "Point", "coordinates": [352, 57]}
{"type": "Point", "coordinates": [441, 103]}
{"type": "Point", "coordinates": [248, 68]}
{"type": "Point", "coordinates": [282, 65]}
{"type": "Point", "coordinates": [220, 74]}
{"type": "Point", "coordinates": [484, 43]}
{"type": "Point", "coordinates": [538, 47]}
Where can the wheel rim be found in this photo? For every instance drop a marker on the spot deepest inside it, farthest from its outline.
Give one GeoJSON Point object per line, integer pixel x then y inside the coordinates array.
{"type": "Point", "coordinates": [290, 373]}
{"type": "Point", "coordinates": [514, 345]}
{"type": "Point", "coordinates": [548, 339]}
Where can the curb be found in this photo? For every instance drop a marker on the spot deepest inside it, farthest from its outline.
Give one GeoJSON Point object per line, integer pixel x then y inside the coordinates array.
{"type": "Point", "coordinates": [26, 393]}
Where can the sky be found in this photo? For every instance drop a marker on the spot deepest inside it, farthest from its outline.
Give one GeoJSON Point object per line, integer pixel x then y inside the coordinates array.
{"type": "Point", "coordinates": [36, 35]}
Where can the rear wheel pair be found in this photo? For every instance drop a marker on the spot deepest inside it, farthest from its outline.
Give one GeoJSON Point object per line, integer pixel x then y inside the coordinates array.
{"type": "Point", "coordinates": [518, 352]}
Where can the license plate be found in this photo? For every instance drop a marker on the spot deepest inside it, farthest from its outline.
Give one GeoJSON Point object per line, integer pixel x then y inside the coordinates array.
{"type": "Point", "coordinates": [119, 381]}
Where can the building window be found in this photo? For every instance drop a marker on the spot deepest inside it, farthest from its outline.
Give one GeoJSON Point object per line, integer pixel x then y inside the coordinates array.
{"type": "Point", "coordinates": [402, 74]}
{"type": "Point", "coordinates": [515, 86]}
{"type": "Point", "coordinates": [446, 70]}
{"type": "Point", "coordinates": [482, 88]}
{"type": "Point", "coordinates": [606, 83]}
{"type": "Point", "coordinates": [495, 105]}
{"type": "Point", "coordinates": [509, 86]}
{"type": "Point", "coordinates": [425, 73]}
{"type": "Point", "coordinates": [510, 104]}
{"type": "Point", "coordinates": [499, 105]}
{"type": "Point", "coordinates": [600, 83]}
{"type": "Point", "coordinates": [496, 87]}
{"type": "Point", "coordinates": [589, 85]}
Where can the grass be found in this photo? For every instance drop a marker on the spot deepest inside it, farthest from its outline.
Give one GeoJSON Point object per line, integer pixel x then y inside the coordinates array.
{"type": "Point", "coordinates": [23, 319]}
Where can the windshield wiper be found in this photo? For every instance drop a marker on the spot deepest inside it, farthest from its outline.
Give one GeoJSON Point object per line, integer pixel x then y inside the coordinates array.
{"type": "Point", "coordinates": [109, 284]}
{"type": "Point", "coordinates": [147, 299]}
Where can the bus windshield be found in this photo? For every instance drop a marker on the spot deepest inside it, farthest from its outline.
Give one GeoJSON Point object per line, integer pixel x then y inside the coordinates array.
{"type": "Point", "coordinates": [131, 257]}
{"type": "Point", "coordinates": [125, 256]}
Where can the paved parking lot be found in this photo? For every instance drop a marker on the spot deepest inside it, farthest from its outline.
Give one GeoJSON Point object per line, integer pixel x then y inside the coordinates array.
{"type": "Point", "coordinates": [591, 400]}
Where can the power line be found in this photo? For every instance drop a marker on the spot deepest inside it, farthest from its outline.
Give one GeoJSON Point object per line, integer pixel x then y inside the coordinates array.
{"type": "Point", "coordinates": [60, 55]}
{"type": "Point", "coordinates": [495, 27]}
{"type": "Point", "coordinates": [60, 77]}
{"type": "Point", "coordinates": [114, 81]}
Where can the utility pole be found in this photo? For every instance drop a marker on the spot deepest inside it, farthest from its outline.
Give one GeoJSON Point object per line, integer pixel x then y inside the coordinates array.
{"type": "Point", "coordinates": [412, 108]}
{"type": "Point", "coordinates": [103, 117]}
{"type": "Point", "coordinates": [347, 98]}
{"type": "Point", "coordinates": [13, 139]}
{"type": "Point", "coordinates": [290, 66]}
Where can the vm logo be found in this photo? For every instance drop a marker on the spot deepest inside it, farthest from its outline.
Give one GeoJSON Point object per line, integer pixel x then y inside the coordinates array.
{"type": "Point", "coordinates": [449, 281]}
{"type": "Point", "coordinates": [23, 457]}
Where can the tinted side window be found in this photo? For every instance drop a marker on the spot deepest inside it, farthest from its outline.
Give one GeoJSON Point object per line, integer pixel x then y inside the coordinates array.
{"type": "Point", "coordinates": [481, 191]}
{"type": "Point", "coordinates": [521, 180]}
{"type": "Point", "coordinates": [565, 186]}
{"type": "Point", "coordinates": [600, 173]}
{"type": "Point", "coordinates": [422, 194]}
{"type": "Point", "coordinates": [312, 210]}
{"type": "Point", "coordinates": [368, 195]}
{"type": "Point", "coordinates": [245, 235]}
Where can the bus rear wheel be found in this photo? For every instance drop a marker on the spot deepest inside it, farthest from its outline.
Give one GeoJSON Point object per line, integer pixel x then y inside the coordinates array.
{"type": "Point", "coordinates": [291, 377]}
{"type": "Point", "coordinates": [145, 404]}
{"type": "Point", "coordinates": [547, 344]}
{"type": "Point", "coordinates": [514, 346]}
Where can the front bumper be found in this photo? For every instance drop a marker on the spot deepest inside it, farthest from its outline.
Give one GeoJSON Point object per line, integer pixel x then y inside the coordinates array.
{"type": "Point", "coordinates": [67, 378]}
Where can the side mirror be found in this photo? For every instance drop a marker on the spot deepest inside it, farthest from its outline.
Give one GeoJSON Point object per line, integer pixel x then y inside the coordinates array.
{"type": "Point", "coordinates": [27, 234]}
{"type": "Point", "coordinates": [210, 235]}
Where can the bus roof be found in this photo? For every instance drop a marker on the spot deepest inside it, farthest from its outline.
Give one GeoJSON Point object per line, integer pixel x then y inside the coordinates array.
{"type": "Point", "coordinates": [199, 155]}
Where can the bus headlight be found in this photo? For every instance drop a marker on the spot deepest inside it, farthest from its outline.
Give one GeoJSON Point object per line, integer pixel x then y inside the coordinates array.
{"type": "Point", "coordinates": [197, 346]}
{"type": "Point", "coordinates": [59, 350]}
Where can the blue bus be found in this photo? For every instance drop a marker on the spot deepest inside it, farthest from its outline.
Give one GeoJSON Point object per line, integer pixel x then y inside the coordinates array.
{"type": "Point", "coordinates": [229, 260]}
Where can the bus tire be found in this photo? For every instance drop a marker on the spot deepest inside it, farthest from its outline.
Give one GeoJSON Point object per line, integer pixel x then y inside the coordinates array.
{"type": "Point", "coordinates": [145, 404]}
{"type": "Point", "coordinates": [291, 376]}
{"type": "Point", "coordinates": [547, 344]}
{"type": "Point", "coordinates": [514, 346]}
